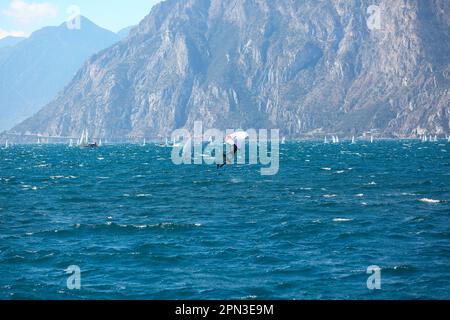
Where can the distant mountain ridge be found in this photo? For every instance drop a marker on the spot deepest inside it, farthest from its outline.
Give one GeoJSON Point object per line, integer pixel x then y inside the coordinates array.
{"type": "Point", "coordinates": [6, 46]}
{"type": "Point", "coordinates": [35, 69]}
{"type": "Point", "coordinates": [123, 33]}
{"type": "Point", "coordinates": [10, 41]}
{"type": "Point", "coordinates": [306, 67]}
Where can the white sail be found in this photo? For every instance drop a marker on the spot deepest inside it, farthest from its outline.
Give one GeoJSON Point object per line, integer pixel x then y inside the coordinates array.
{"type": "Point", "coordinates": [371, 139]}
{"type": "Point", "coordinates": [353, 140]}
{"type": "Point", "coordinates": [325, 140]}
{"type": "Point", "coordinates": [144, 143]}
{"type": "Point", "coordinates": [71, 143]}
{"type": "Point", "coordinates": [237, 138]}
{"type": "Point", "coordinates": [283, 141]}
{"type": "Point", "coordinates": [337, 139]}
{"type": "Point", "coordinates": [6, 144]}
{"type": "Point", "coordinates": [100, 142]}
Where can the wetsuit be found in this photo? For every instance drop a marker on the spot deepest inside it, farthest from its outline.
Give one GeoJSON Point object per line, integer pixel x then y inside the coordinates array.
{"type": "Point", "coordinates": [235, 148]}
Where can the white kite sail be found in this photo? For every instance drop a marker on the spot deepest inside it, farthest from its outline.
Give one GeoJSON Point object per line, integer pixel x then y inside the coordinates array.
{"type": "Point", "coordinates": [237, 138]}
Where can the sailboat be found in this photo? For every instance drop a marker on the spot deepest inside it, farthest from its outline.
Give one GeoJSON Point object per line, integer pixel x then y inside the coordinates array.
{"type": "Point", "coordinates": [325, 141]}
{"type": "Point", "coordinates": [337, 139]}
{"type": "Point", "coordinates": [39, 141]}
{"type": "Point", "coordinates": [71, 143]}
{"type": "Point", "coordinates": [283, 141]}
{"type": "Point", "coordinates": [6, 144]}
{"type": "Point", "coordinates": [84, 140]}
{"type": "Point", "coordinates": [353, 140]}
{"type": "Point", "coordinates": [144, 143]}
{"type": "Point", "coordinates": [371, 139]}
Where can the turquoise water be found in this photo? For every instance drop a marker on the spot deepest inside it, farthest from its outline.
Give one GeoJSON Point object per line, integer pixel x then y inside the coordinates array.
{"type": "Point", "coordinates": [140, 227]}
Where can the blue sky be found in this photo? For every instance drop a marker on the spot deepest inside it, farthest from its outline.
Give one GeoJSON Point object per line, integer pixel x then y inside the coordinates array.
{"type": "Point", "coordinates": [22, 17]}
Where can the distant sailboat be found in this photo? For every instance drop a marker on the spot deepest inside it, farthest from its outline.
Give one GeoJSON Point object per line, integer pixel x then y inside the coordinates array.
{"type": "Point", "coordinates": [371, 139]}
{"type": "Point", "coordinates": [87, 137]}
{"type": "Point", "coordinates": [353, 140]}
{"type": "Point", "coordinates": [337, 139]}
{"type": "Point", "coordinates": [325, 141]}
{"type": "Point", "coordinates": [71, 143]}
{"type": "Point", "coordinates": [435, 138]}
{"type": "Point", "coordinates": [100, 143]}
{"type": "Point", "coordinates": [39, 141]}
{"type": "Point", "coordinates": [6, 144]}
{"type": "Point", "coordinates": [283, 141]}
{"type": "Point", "coordinates": [144, 143]}
{"type": "Point", "coordinates": [84, 140]}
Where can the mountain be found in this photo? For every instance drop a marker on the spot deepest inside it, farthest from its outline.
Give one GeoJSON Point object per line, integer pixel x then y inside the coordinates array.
{"type": "Point", "coordinates": [123, 33]}
{"type": "Point", "coordinates": [6, 46]}
{"type": "Point", "coordinates": [305, 67]}
{"type": "Point", "coordinates": [10, 41]}
{"type": "Point", "coordinates": [37, 68]}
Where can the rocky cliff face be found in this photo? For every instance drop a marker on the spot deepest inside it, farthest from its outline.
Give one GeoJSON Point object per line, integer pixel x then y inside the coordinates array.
{"type": "Point", "coordinates": [300, 66]}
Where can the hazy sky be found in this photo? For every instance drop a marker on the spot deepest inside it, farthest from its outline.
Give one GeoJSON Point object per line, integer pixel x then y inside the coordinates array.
{"type": "Point", "coordinates": [22, 17]}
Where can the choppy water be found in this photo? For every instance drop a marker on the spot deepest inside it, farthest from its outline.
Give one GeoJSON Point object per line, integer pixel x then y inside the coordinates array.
{"type": "Point", "coordinates": [140, 227]}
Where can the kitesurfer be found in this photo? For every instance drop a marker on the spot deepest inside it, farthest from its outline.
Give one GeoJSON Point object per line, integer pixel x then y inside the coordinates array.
{"type": "Point", "coordinates": [235, 148]}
